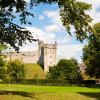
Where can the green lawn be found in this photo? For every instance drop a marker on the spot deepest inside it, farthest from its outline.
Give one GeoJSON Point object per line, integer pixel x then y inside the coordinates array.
{"type": "Point", "coordinates": [29, 92]}
{"type": "Point", "coordinates": [56, 89]}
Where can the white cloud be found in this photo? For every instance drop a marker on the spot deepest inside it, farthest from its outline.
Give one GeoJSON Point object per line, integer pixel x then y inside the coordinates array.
{"type": "Point", "coordinates": [69, 51]}
{"type": "Point", "coordinates": [54, 16]}
{"type": "Point", "coordinates": [27, 0]}
{"type": "Point", "coordinates": [93, 12]}
{"type": "Point", "coordinates": [38, 34]}
{"type": "Point", "coordinates": [42, 34]}
{"type": "Point", "coordinates": [64, 40]}
{"type": "Point", "coordinates": [51, 13]}
{"type": "Point", "coordinates": [52, 28]}
{"type": "Point", "coordinates": [95, 16]}
{"type": "Point", "coordinates": [41, 17]}
{"type": "Point", "coordinates": [29, 47]}
{"type": "Point", "coordinates": [95, 4]}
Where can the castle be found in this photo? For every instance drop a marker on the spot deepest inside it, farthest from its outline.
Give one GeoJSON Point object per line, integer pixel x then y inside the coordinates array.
{"type": "Point", "coordinates": [45, 55]}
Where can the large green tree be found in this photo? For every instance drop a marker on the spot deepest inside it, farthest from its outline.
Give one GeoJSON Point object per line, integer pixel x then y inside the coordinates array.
{"type": "Point", "coordinates": [72, 13]}
{"type": "Point", "coordinates": [91, 54]}
{"type": "Point", "coordinates": [64, 70]}
{"type": "Point", "coordinates": [15, 70]}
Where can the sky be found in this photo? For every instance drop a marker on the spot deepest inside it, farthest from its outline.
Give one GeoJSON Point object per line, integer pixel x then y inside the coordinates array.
{"type": "Point", "coordinates": [46, 26]}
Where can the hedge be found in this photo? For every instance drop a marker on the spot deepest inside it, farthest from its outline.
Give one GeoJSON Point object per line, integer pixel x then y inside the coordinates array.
{"type": "Point", "coordinates": [51, 82]}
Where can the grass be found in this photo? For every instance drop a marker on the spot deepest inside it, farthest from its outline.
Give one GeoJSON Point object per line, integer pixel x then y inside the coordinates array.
{"type": "Point", "coordinates": [56, 89]}
{"type": "Point", "coordinates": [29, 92]}
{"type": "Point", "coordinates": [45, 96]}
{"type": "Point", "coordinates": [34, 71]}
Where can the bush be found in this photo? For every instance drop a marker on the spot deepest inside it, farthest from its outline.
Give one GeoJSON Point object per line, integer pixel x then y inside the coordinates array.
{"type": "Point", "coordinates": [64, 70]}
{"type": "Point", "coordinates": [51, 82]}
{"type": "Point", "coordinates": [15, 70]}
{"type": "Point", "coordinates": [2, 69]}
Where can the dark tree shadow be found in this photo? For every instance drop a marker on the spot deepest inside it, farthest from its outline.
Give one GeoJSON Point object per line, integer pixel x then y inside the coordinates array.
{"type": "Point", "coordinates": [23, 94]}
{"type": "Point", "coordinates": [92, 95]}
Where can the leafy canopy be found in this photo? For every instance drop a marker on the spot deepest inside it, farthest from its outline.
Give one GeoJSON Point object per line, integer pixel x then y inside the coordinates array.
{"type": "Point", "coordinates": [71, 12]}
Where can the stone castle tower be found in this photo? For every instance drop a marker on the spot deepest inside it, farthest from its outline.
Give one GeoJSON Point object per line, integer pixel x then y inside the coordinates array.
{"type": "Point", "coordinates": [45, 55]}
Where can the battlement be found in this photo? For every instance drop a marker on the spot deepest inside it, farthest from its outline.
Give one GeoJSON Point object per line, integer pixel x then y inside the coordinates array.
{"type": "Point", "coordinates": [50, 46]}
{"type": "Point", "coordinates": [45, 45]}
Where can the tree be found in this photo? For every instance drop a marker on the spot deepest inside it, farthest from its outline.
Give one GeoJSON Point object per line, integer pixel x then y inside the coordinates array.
{"type": "Point", "coordinates": [74, 61]}
{"type": "Point", "coordinates": [15, 70]}
{"type": "Point", "coordinates": [91, 54]}
{"type": "Point", "coordinates": [64, 70]}
{"type": "Point", "coordinates": [97, 29]}
{"type": "Point", "coordinates": [2, 64]}
{"type": "Point", "coordinates": [2, 61]}
{"type": "Point", "coordinates": [71, 12]}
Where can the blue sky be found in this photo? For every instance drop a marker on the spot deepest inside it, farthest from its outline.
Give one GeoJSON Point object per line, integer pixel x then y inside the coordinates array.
{"type": "Point", "coordinates": [46, 26]}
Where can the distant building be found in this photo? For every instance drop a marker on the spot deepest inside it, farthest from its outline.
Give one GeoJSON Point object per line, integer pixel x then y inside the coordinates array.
{"type": "Point", "coordinates": [45, 55]}
{"type": "Point", "coordinates": [81, 68]}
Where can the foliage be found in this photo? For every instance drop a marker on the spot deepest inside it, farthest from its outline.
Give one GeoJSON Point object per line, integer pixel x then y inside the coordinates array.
{"type": "Point", "coordinates": [2, 61]}
{"type": "Point", "coordinates": [2, 72]}
{"type": "Point", "coordinates": [97, 29]}
{"type": "Point", "coordinates": [71, 12]}
{"type": "Point", "coordinates": [10, 32]}
{"type": "Point", "coordinates": [74, 61]}
{"type": "Point", "coordinates": [65, 70]}
{"type": "Point", "coordinates": [15, 70]}
{"type": "Point", "coordinates": [91, 54]}
{"type": "Point", "coordinates": [2, 47]}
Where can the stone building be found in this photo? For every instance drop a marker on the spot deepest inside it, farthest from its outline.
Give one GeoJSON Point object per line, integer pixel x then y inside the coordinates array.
{"type": "Point", "coordinates": [45, 55]}
{"type": "Point", "coordinates": [81, 68]}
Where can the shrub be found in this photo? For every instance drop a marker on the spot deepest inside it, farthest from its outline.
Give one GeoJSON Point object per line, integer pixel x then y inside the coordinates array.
{"type": "Point", "coordinates": [64, 70]}
{"type": "Point", "coordinates": [15, 70]}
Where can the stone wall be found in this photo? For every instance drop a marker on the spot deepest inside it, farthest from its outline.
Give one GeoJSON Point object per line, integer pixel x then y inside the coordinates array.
{"type": "Point", "coordinates": [25, 57]}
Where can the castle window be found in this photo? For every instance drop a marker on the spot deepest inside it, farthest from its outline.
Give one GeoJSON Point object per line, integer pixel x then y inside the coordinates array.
{"type": "Point", "coordinates": [50, 56]}
{"type": "Point", "coordinates": [50, 62]}
{"type": "Point", "coordinates": [23, 54]}
{"type": "Point", "coordinates": [50, 50]}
